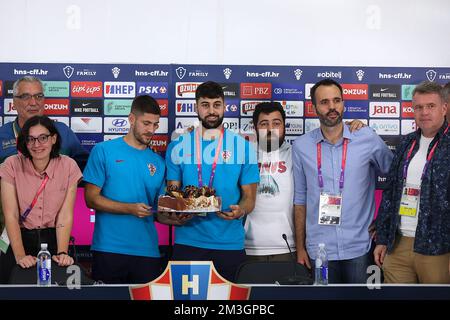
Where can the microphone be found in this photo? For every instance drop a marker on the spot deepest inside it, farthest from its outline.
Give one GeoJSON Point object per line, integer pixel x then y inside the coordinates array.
{"type": "Point", "coordinates": [295, 279]}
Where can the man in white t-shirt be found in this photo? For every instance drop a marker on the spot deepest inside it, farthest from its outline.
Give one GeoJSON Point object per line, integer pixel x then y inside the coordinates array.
{"type": "Point", "coordinates": [273, 215]}
{"type": "Point", "coordinates": [413, 223]}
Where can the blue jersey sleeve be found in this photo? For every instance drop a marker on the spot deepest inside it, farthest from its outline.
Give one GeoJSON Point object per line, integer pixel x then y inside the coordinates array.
{"type": "Point", "coordinates": [95, 170]}
{"type": "Point", "coordinates": [173, 165]}
{"type": "Point", "coordinates": [250, 171]}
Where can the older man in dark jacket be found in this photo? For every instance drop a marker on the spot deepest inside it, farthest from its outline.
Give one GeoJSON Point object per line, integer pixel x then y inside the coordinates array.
{"type": "Point", "coordinates": [413, 224]}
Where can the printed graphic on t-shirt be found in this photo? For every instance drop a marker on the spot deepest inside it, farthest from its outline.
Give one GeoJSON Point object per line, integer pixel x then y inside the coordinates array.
{"type": "Point", "coordinates": [268, 186]}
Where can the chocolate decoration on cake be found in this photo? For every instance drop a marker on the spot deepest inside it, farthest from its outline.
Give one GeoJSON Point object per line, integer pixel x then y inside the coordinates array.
{"type": "Point", "coordinates": [191, 199]}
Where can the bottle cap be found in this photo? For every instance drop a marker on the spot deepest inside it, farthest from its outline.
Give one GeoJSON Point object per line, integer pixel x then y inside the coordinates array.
{"type": "Point", "coordinates": [43, 246]}
{"type": "Point", "coordinates": [321, 245]}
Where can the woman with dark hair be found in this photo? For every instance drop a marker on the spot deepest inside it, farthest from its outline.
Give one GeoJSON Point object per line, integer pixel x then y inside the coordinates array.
{"type": "Point", "coordinates": [38, 190]}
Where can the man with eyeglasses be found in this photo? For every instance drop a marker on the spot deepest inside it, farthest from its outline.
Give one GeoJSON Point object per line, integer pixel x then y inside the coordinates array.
{"type": "Point", "coordinates": [334, 195]}
{"type": "Point", "coordinates": [29, 101]}
{"type": "Point", "coordinates": [413, 223]}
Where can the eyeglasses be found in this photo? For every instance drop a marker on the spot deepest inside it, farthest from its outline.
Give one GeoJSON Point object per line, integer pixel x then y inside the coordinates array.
{"type": "Point", "coordinates": [27, 96]}
{"type": "Point", "coordinates": [43, 138]}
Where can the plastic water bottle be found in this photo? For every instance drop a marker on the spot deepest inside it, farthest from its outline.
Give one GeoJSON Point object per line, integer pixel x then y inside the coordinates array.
{"type": "Point", "coordinates": [321, 265]}
{"type": "Point", "coordinates": [44, 267]}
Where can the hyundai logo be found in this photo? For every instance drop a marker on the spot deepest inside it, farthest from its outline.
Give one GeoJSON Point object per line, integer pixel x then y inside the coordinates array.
{"type": "Point", "coordinates": [119, 122]}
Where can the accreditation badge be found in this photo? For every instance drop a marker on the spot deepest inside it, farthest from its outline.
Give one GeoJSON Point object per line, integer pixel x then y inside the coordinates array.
{"type": "Point", "coordinates": [409, 203]}
{"type": "Point", "coordinates": [4, 241]}
{"type": "Point", "coordinates": [330, 209]}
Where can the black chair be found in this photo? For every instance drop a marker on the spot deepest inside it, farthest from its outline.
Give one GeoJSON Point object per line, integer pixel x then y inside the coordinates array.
{"type": "Point", "coordinates": [20, 275]}
{"type": "Point", "coordinates": [279, 272]}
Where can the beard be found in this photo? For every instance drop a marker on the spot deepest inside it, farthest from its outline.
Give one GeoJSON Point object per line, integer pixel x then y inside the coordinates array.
{"type": "Point", "coordinates": [208, 124]}
{"type": "Point", "coordinates": [270, 142]}
{"type": "Point", "coordinates": [329, 122]}
{"type": "Point", "coordinates": [139, 138]}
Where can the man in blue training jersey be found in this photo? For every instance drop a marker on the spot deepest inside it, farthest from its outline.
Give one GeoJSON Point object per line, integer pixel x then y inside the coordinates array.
{"type": "Point", "coordinates": [217, 236]}
{"type": "Point", "coordinates": [123, 180]}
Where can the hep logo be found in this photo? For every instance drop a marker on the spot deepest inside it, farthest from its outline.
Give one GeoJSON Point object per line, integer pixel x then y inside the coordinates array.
{"type": "Point", "coordinates": [119, 123]}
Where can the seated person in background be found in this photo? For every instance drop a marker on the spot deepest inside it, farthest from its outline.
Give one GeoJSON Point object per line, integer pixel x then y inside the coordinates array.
{"type": "Point", "coordinates": [38, 190]}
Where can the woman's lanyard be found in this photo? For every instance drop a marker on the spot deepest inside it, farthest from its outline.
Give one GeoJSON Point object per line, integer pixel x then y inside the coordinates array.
{"type": "Point", "coordinates": [319, 164]}
{"type": "Point", "coordinates": [33, 203]}
{"type": "Point", "coordinates": [429, 157]}
{"type": "Point", "coordinates": [199, 158]}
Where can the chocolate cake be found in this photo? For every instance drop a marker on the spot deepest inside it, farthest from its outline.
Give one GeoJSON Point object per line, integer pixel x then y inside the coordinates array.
{"type": "Point", "coordinates": [192, 199]}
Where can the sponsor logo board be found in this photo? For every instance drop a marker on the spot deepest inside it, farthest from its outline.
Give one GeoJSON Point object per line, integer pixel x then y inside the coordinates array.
{"type": "Point", "coordinates": [387, 109]}
{"type": "Point", "coordinates": [56, 107]}
{"type": "Point", "coordinates": [385, 127]}
{"type": "Point", "coordinates": [86, 124]}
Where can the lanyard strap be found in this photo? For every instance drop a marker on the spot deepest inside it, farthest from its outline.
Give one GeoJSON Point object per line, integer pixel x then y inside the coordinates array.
{"type": "Point", "coordinates": [33, 203]}
{"type": "Point", "coordinates": [319, 164]}
{"type": "Point", "coordinates": [429, 157]}
{"type": "Point", "coordinates": [15, 130]}
{"type": "Point", "coordinates": [199, 158]}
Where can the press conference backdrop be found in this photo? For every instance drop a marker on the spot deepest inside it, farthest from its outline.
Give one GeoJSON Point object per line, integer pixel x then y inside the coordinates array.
{"type": "Point", "coordinates": [95, 100]}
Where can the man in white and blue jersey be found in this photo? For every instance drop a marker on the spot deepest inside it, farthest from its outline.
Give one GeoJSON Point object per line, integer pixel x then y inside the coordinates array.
{"type": "Point", "coordinates": [123, 180]}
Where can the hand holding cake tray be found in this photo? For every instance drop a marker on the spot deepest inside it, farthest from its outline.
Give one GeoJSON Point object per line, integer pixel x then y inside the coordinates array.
{"type": "Point", "coordinates": [192, 200]}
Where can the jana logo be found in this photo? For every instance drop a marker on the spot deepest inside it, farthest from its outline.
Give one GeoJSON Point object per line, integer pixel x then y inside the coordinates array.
{"type": "Point", "coordinates": [119, 123]}
{"type": "Point", "coordinates": [431, 75]}
{"type": "Point", "coordinates": [180, 72]}
{"type": "Point", "coordinates": [190, 280]}
{"type": "Point", "coordinates": [68, 71]}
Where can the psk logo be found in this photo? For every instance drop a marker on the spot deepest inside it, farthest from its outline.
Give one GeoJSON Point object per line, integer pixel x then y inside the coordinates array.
{"type": "Point", "coordinates": [180, 72]}
{"type": "Point", "coordinates": [119, 123]}
{"type": "Point", "coordinates": [227, 73]}
{"type": "Point", "coordinates": [298, 74]}
{"type": "Point", "coordinates": [152, 169]}
{"type": "Point", "coordinates": [360, 74]}
{"type": "Point", "coordinates": [431, 75]}
{"type": "Point", "coordinates": [68, 71]}
{"type": "Point", "coordinates": [226, 155]}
